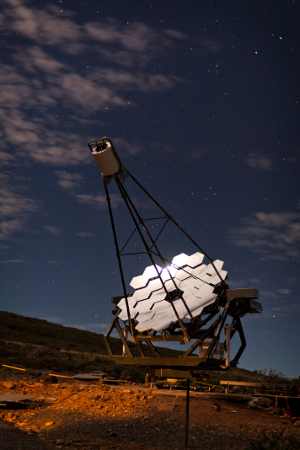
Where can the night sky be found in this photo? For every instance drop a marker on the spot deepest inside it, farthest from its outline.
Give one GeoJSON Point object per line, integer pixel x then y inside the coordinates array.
{"type": "Point", "coordinates": [201, 100]}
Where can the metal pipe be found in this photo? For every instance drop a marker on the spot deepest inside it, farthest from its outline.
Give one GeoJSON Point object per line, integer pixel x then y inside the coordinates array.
{"type": "Point", "coordinates": [187, 412]}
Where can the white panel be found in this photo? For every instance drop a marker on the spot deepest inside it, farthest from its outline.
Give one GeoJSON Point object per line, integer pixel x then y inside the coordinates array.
{"type": "Point", "coordinates": [199, 271]}
{"type": "Point", "coordinates": [182, 274]}
{"type": "Point", "coordinates": [158, 296]}
{"type": "Point", "coordinates": [154, 285]}
{"type": "Point", "coordinates": [157, 306]}
{"type": "Point", "coordinates": [181, 308]}
{"type": "Point", "coordinates": [139, 282]}
{"type": "Point", "coordinates": [151, 272]}
{"type": "Point", "coordinates": [144, 293]}
{"type": "Point", "coordinates": [141, 294]}
{"type": "Point", "coordinates": [195, 259]}
{"type": "Point", "coordinates": [203, 288]}
{"type": "Point", "coordinates": [167, 273]}
{"type": "Point", "coordinates": [122, 305]}
{"type": "Point", "coordinates": [148, 303]}
{"type": "Point", "coordinates": [188, 286]}
{"type": "Point", "coordinates": [218, 265]}
{"type": "Point", "coordinates": [180, 260]}
{"type": "Point", "coordinates": [146, 323]}
{"type": "Point", "coordinates": [145, 305]}
{"type": "Point", "coordinates": [195, 312]}
{"type": "Point", "coordinates": [170, 285]}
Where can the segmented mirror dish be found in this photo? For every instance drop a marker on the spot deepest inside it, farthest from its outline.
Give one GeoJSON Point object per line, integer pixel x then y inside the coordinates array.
{"type": "Point", "coordinates": [189, 282]}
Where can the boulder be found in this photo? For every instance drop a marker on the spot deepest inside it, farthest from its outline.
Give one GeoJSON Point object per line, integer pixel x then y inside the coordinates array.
{"type": "Point", "coordinates": [260, 402]}
{"type": "Point", "coordinates": [48, 379]}
{"type": "Point", "coordinates": [295, 419]}
{"type": "Point", "coordinates": [9, 385]}
{"type": "Point", "coordinates": [275, 410]}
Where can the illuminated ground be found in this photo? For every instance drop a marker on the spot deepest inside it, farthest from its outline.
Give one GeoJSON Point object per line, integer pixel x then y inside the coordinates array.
{"type": "Point", "coordinates": [93, 416]}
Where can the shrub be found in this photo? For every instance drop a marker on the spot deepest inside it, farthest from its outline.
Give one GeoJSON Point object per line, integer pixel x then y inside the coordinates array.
{"type": "Point", "coordinates": [274, 441]}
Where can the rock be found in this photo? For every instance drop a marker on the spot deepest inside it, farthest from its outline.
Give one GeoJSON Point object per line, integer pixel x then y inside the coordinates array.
{"type": "Point", "coordinates": [217, 407]}
{"type": "Point", "coordinates": [265, 409]}
{"type": "Point", "coordinates": [236, 388]}
{"type": "Point", "coordinates": [283, 411]}
{"type": "Point", "coordinates": [59, 442]}
{"type": "Point", "coordinates": [113, 434]}
{"type": "Point", "coordinates": [295, 419]}
{"type": "Point", "coordinates": [48, 379]}
{"type": "Point", "coordinates": [9, 385]}
{"type": "Point", "coordinates": [297, 424]}
{"type": "Point", "coordinates": [48, 424]}
{"type": "Point", "coordinates": [275, 410]}
{"type": "Point", "coordinates": [262, 402]}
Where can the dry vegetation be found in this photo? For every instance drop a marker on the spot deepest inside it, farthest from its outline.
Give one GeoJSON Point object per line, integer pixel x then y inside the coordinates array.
{"type": "Point", "coordinates": [92, 416]}
{"type": "Point", "coordinates": [40, 345]}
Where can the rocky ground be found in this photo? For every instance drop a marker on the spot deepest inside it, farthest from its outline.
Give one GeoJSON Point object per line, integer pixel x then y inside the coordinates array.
{"type": "Point", "coordinates": [93, 416]}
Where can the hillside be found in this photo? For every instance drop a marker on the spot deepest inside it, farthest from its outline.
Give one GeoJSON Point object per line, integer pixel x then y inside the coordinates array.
{"type": "Point", "coordinates": [37, 344]}
{"type": "Point", "coordinates": [31, 343]}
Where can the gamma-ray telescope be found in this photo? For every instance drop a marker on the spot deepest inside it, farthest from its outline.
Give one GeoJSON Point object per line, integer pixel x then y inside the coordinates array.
{"type": "Point", "coordinates": [184, 298]}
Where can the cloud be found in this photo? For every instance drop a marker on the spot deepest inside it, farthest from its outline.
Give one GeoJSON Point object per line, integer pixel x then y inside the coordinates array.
{"type": "Point", "coordinates": [273, 235]}
{"type": "Point", "coordinates": [12, 261]}
{"type": "Point", "coordinates": [6, 158]}
{"type": "Point", "coordinates": [86, 234]}
{"type": "Point", "coordinates": [15, 207]}
{"type": "Point", "coordinates": [50, 88]}
{"type": "Point", "coordinates": [124, 146]}
{"type": "Point", "coordinates": [284, 291]}
{"type": "Point", "coordinates": [212, 45]}
{"type": "Point", "coordinates": [98, 200]}
{"type": "Point", "coordinates": [39, 78]}
{"type": "Point", "coordinates": [194, 154]}
{"type": "Point", "coordinates": [52, 230]}
{"type": "Point", "coordinates": [45, 25]}
{"type": "Point", "coordinates": [57, 262]}
{"type": "Point", "coordinates": [282, 310]}
{"type": "Point", "coordinates": [91, 325]}
{"type": "Point", "coordinates": [69, 180]}
{"type": "Point", "coordinates": [259, 162]}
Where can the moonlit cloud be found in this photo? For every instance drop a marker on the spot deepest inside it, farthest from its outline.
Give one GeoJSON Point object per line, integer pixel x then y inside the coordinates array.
{"type": "Point", "coordinates": [273, 235]}
{"type": "Point", "coordinates": [97, 200]}
{"type": "Point", "coordinates": [284, 291]}
{"type": "Point", "coordinates": [40, 79]}
{"type": "Point", "coordinates": [86, 234]}
{"type": "Point", "coordinates": [259, 162]}
{"type": "Point", "coordinates": [15, 209]}
{"type": "Point", "coordinates": [88, 326]}
{"type": "Point", "coordinates": [69, 180]}
{"type": "Point", "coordinates": [44, 94]}
{"type": "Point", "coordinates": [52, 230]}
{"type": "Point", "coordinates": [13, 261]}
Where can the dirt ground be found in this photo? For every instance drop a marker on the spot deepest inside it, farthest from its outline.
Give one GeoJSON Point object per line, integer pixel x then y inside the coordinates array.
{"type": "Point", "coordinates": [91, 416]}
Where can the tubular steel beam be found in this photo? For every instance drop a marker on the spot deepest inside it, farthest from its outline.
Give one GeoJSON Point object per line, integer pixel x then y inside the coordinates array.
{"type": "Point", "coordinates": [174, 221]}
